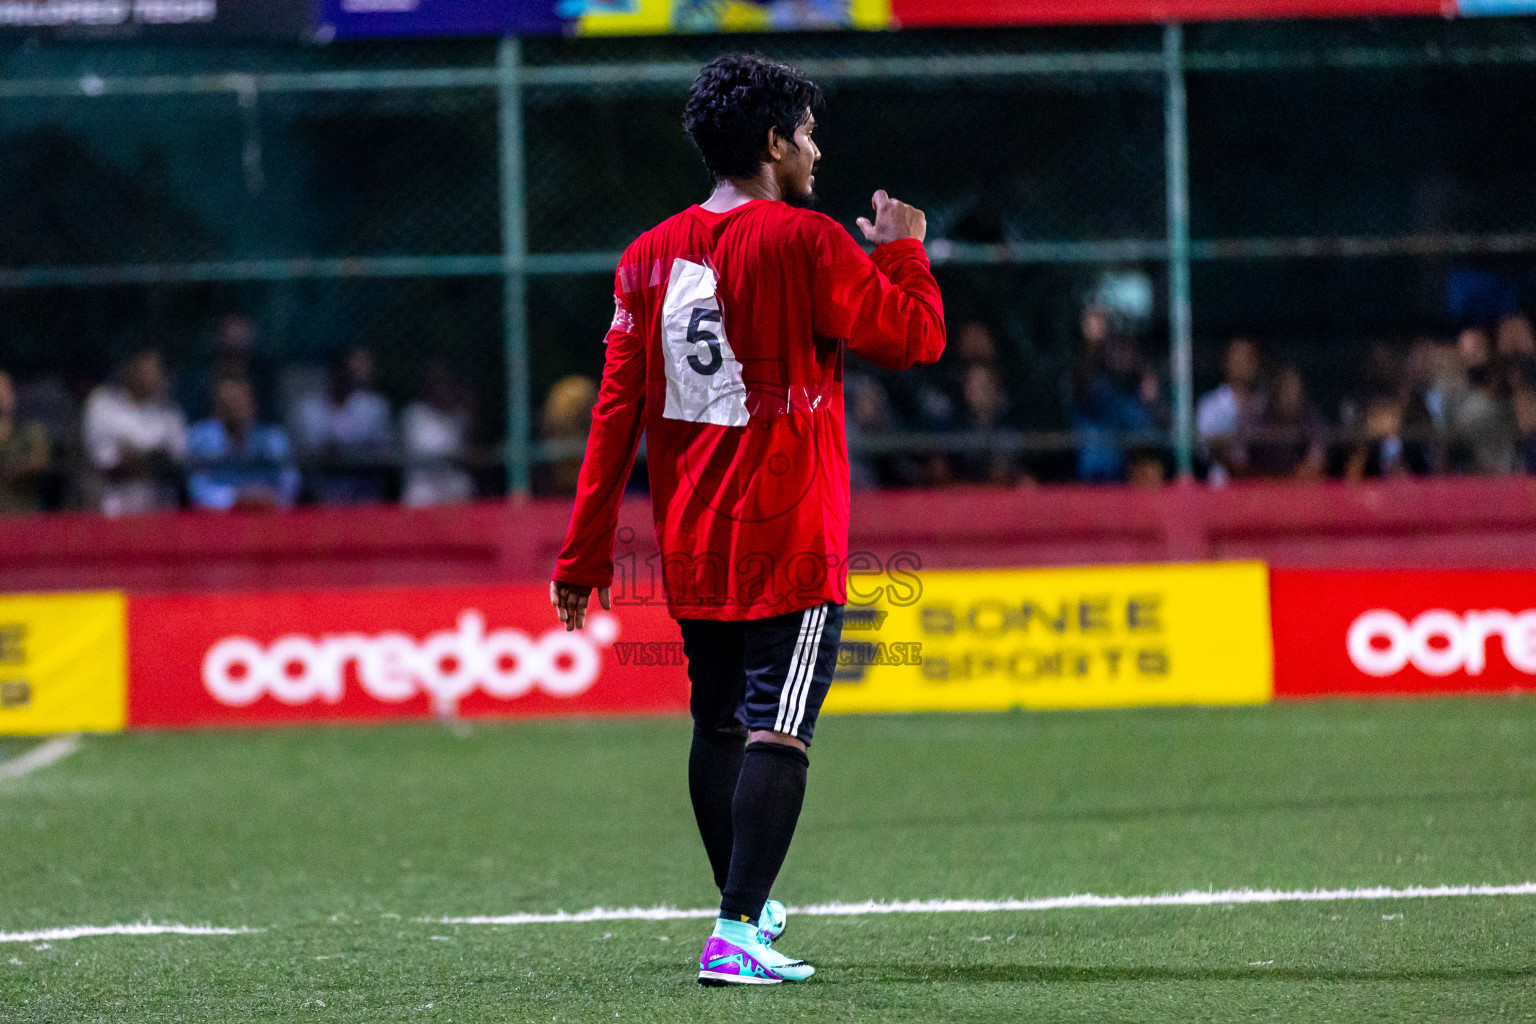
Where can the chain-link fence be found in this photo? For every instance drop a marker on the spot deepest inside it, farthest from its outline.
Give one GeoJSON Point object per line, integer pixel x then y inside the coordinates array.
{"type": "Point", "coordinates": [1335, 191]}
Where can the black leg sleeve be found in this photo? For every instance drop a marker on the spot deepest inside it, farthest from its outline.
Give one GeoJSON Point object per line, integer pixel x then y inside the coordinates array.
{"type": "Point", "coordinates": [765, 812]}
{"type": "Point", "coordinates": [714, 764]}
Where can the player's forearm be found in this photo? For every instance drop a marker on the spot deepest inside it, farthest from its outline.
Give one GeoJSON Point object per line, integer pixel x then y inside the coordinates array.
{"type": "Point", "coordinates": [903, 323]}
{"type": "Point", "coordinates": [587, 558]}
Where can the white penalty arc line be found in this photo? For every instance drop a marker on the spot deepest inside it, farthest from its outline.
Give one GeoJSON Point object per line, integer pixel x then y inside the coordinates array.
{"type": "Point", "coordinates": [40, 756]}
{"type": "Point", "coordinates": [146, 928]}
{"type": "Point", "coordinates": [1195, 898]}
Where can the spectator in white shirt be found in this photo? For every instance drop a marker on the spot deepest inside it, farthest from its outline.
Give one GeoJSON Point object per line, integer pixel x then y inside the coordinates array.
{"type": "Point", "coordinates": [136, 439]}
{"type": "Point", "coordinates": [348, 434]}
{"type": "Point", "coordinates": [434, 432]}
{"type": "Point", "coordinates": [1226, 415]}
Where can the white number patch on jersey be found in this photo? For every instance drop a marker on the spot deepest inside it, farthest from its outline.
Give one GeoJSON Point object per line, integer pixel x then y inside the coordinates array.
{"type": "Point", "coordinates": [703, 377]}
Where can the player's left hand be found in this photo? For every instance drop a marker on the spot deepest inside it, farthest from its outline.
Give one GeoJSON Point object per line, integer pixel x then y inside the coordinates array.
{"type": "Point", "coordinates": [571, 602]}
{"type": "Point", "coordinates": [894, 219]}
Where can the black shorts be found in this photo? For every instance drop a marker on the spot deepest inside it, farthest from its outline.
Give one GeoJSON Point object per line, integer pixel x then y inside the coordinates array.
{"type": "Point", "coordinates": [763, 673]}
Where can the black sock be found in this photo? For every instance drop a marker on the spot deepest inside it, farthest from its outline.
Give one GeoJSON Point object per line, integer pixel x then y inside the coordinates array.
{"type": "Point", "coordinates": [714, 763]}
{"type": "Point", "coordinates": [766, 808]}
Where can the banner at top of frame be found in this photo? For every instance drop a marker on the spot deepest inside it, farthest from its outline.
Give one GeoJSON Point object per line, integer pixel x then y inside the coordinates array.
{"type": "Point", "coordinates": [384, 18]}
{"type": "Point", "coordinates": [167, 20]}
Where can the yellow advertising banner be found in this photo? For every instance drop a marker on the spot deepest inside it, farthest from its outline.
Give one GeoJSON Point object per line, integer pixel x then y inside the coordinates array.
{"type": "Point", "coordinates": [63, 663]}
{"type": "Point", "coordinates": [659, 17]}
{"type": "Point", "coordinates": [1056, 638]}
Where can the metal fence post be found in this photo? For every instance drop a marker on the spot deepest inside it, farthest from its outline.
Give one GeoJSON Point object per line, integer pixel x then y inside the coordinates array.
{"type": "Point", "coordinates": [514, 242]}
{"type": "Point", "coordinates": [1180, 325]}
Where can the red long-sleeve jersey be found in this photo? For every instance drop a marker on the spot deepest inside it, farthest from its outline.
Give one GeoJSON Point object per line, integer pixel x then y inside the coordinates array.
{"type": "Point", "coordinates": [727, 350]}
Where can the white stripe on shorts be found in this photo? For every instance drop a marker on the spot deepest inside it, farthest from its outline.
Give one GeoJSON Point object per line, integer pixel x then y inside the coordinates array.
{"type": "Point", "coordinates": [795, 661]}
{"type": "Point", "coordinates": [810, 672]}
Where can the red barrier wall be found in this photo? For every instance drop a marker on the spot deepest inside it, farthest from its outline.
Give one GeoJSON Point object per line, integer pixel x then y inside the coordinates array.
{"type": "Point", "coordinates": [1448, 523]}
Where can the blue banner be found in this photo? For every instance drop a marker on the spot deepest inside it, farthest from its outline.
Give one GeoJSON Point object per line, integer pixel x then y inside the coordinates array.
{"type": "Point", "coordinates": [159, 19]}
{"type": "Point", "coordinates": [363, 19]}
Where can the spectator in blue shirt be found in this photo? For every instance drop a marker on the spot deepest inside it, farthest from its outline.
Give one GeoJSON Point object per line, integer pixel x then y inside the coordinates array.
{"type": "Point", "coordinates": [1114, 400]}
{"type": "Point", "coordinates": [236, 462]}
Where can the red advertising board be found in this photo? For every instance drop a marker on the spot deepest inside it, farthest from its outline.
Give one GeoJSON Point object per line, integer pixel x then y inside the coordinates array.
{"type": "Point", "coordinates": [231, 659]}
{"type": "Point", "coordinates": [1390, 632]}
{"type": "Point", "coordinates": [927, 13]}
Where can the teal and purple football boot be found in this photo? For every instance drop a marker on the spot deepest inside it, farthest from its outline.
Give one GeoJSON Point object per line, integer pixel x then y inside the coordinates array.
{"type": "Point", "coordinates": [772, 922]}
{"type": "Point", "coordinates": [736, 954]}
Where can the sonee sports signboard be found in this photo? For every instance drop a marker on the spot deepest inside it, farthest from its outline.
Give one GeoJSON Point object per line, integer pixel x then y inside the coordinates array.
{"type": "Point", "coordinates": [1366, 633]}
{"type": "Point", "coordinates": [61, 663]}
{"type": "Point", "coordinates": [378, 654]}
{"type": "Point", "coordinates": [1059, 638]}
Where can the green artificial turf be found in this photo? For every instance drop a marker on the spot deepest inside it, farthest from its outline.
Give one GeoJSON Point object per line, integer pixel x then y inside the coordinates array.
{"type": "Point", "coordinates": [340, 843]}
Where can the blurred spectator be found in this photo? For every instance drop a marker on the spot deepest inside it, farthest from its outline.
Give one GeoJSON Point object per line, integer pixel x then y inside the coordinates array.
{"type": "Point", "coordinates": [1422, 407]}
{"type": "Point", "coordinates": [974, 344]}
{"type": "Point", "coordinates": [1116, 393]}
{"type": "Point", "coordinates": [1515, 346]}
{"type": "Point", "coordinates": [1479, 422]}
{"type": "Point", "coordinates": [942, 404]}
{"type": "Point", "coordinates": [434, 433]}
{"type": "Point", "coordinates": [869, 414]}
{"type": "Point", "coordinates": [234, 350]}
{"type": "Point", "coordinates": [567, 416]}
{"type": "Point", "coordinates": [1523, 403]}
{"type": "Point", "coordinates": [1381, 372]}
{"type": "Point", "coordinates": [983, 408]}
{"type": "Point", "coordinates": [347, 432]}
{"type": "Point", "coordinates": [1381, 453]}
{"type": "Point", "coordinates": [1289, 437]}
{"type": "Point", "coordinates": [1088, 357]}
{"type": "Point", "coordinates": [135, 439]}
{"type": "Point", "coordinates": [24, 455]}
{"type": "Point", "coordinates": [238, 462]}
{"type": "Point", "coordinates": [1226, 415]}
{"type": "Point", "coordinates": [56, 401]}
{"type": "Point", "coordinates": [1145, 467]}
{"type": "Point", "coordinates": [49, 401]}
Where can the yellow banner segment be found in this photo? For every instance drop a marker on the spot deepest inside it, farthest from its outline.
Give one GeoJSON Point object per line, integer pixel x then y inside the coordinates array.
{"type": "Point", "coordinates": [63, 663]}
{"type": "Point", "coordinates": [1057, 638]}
{"type": "Point", "coordinates": [659, 17]}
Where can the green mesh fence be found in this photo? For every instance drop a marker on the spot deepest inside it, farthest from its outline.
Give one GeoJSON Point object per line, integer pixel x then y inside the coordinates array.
{"type": "Point", "coordinates": [1348, 182]}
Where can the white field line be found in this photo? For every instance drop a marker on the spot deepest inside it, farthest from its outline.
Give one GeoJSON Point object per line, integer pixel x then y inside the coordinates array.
{"type": "Point", "coordinates": [1195, 898]}
{"type": "Point", "coordinates": [147, 928]}
{"type": "Point", "coordinates": [40, 756]}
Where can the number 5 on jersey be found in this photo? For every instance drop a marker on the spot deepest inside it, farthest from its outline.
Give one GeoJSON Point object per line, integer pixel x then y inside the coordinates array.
{"type": "Point", "coordinates": [703, 377]}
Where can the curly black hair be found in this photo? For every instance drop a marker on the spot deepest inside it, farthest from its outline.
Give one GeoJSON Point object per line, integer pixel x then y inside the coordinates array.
{"type": "Point", "coordinates": [733, 103]}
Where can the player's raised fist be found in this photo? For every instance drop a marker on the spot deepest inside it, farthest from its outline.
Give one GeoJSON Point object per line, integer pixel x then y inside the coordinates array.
{"type": "Point", "coordinates": [893, 219]}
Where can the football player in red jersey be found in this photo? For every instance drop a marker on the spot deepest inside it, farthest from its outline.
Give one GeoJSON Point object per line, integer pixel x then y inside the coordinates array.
{"type": "Point", "coordinates": [731, 320]}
